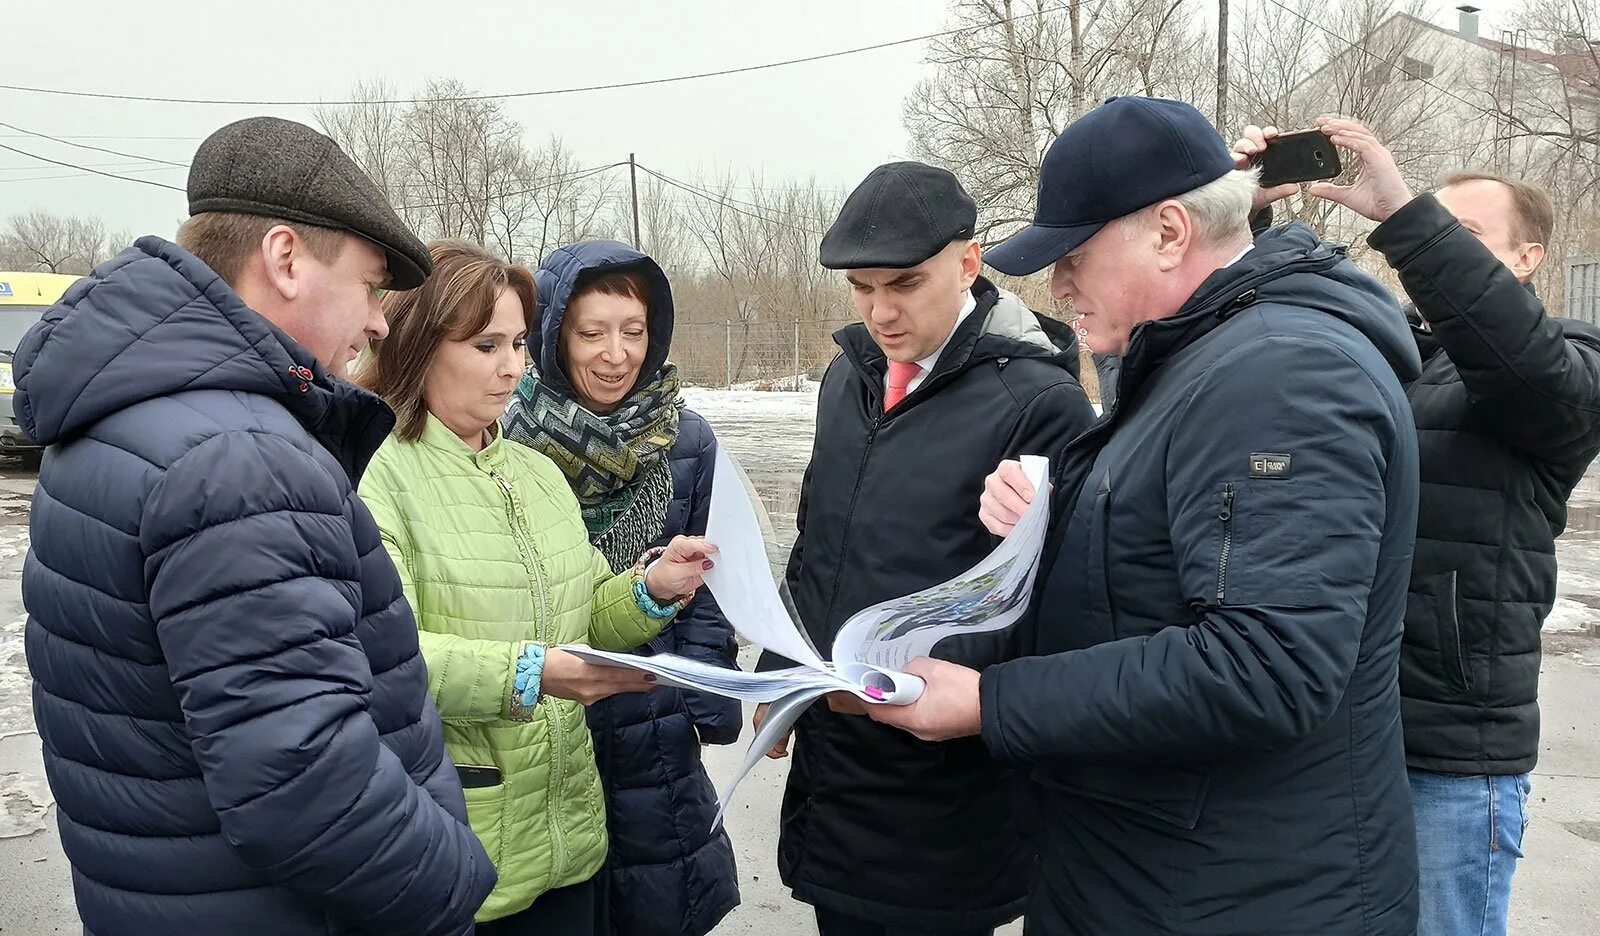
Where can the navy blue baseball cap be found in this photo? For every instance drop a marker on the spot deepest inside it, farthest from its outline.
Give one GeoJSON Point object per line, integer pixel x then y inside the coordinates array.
{"type": "Point", "coordinates": [1127, 154]}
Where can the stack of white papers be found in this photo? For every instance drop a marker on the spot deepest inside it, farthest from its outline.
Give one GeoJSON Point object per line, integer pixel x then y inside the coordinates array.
{"type": "Point", "coordinates": [871, 647]}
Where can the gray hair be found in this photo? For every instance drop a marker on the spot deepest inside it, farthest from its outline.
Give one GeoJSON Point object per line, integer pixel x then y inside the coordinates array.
{"type": "Point", "coordinates": [1220, 210]}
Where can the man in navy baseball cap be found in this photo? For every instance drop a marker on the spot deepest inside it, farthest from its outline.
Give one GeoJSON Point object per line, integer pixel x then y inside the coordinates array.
{"type": "Point", "coordinates": [1211, 721]}
{"type": "Point", "coordinates": [1127, 154]}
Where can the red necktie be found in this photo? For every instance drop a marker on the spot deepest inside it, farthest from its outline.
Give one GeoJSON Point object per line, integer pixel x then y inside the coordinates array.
{"type": "Point", "coordinates": [898, 383]}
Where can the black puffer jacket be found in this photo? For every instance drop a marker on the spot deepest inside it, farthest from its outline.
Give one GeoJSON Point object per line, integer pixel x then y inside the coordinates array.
{"type": "Point", "coordinates": [1508, 416]}
{"type": "Point", "coordinates": [876, 823]}
{"type": "Point", "coordinates": [1211, 718]}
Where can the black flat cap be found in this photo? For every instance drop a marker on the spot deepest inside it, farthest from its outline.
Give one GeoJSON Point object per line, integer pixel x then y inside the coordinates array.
{"type": "Point", "coordinates": [902, 214]}
{"type": "Point", "coordinates": [281, 169]}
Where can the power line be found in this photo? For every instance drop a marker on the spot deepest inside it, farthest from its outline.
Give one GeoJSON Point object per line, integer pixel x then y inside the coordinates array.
{"type": "Point", "coordinates": [124, 164]}
{"type": "Point", "coordinates": [719, 197]}
{"type": "Point", "coordinates": [92, 171]}
{"type": "Point", "coordinates": [73, 175]}
{"type": "Point", "coordinates": [1479, 108]}
{"type": "Point", "coordinates": [725, 203]}
{"type": "Point", "coordinates": [99, 149]}
{"type": "Point", "coordinates": [68, 136]}
{"type": "Point", "coordinates": [675, 79]}
{"type": "Point", "coordinates": [547, 183]}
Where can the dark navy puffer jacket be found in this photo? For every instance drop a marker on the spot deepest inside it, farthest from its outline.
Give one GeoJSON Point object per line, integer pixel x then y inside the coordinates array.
{"type": "Point", "coordinates": [667, 873]}
{"type": "Point", "coordinates": [234, 711]}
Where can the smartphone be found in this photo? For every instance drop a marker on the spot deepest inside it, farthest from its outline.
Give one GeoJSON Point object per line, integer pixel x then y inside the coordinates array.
{"type": "Point", "coordinates": [1302, 156]}
{"type": "Point", "coordinates": [474, 777]}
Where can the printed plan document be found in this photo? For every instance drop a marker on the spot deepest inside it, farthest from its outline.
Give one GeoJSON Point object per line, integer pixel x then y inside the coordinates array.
{"type": "Point", "coordinates": [870, 648]}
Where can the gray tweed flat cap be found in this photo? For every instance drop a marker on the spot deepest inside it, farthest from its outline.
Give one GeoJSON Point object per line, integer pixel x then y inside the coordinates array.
{"type": "Point", "coordinates": [281, 169]}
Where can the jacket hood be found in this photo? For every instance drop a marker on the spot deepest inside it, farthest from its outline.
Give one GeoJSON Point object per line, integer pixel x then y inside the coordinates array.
{"type": "Point", "coordinates": [1292, 266]}
{"type": "Point", "coordinates": [558, 276]}
{"type": "Point", "coordinates": [155, 321]}
{"type": "Point", "coordinates": [1288, 265]}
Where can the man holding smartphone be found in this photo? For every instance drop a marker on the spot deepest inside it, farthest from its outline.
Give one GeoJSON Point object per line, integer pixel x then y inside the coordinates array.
{"type": "Point", "coordinates": [1508, 417]}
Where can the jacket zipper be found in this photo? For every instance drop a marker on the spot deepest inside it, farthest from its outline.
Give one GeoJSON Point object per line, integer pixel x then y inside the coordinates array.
{"type": "Point", "coordinates": [1226, 516]}
{"type": "Point", "coordinates": [855, 494]}
{"type": "Point", "coordinates": [541, 631]}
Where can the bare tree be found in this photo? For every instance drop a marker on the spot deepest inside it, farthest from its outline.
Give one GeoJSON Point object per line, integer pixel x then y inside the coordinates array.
{"type": "Point", "coordinates": [1369, 59]}
{"type": "Point", "coordinates": [1007, 85]}
{"type": "Point", "coordinates": [49, 243]}
{"type": "Point", "coordinates": [370, 133]}
{"type": "Point", "coordinates": [458, 167]}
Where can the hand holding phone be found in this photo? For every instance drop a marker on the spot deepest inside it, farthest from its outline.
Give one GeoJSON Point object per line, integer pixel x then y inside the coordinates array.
{"type": "Point", "coordinates": [1245, 150]}
{"type": "Point", "coordinates": [1301, 156]}
{"type": "Point", "coordinates": [1379, 189]}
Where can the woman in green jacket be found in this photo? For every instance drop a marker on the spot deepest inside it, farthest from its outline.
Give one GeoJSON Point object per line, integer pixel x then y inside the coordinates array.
{"type": "Point", "coordinates": [497, 566]}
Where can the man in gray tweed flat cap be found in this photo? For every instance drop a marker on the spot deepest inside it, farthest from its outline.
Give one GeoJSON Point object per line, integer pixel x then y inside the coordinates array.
{"type": "Point", "coordinates": [235, 715]}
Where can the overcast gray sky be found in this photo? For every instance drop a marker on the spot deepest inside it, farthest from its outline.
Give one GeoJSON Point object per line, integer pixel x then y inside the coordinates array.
{"type": "Point", "coordinates": [834, 119]}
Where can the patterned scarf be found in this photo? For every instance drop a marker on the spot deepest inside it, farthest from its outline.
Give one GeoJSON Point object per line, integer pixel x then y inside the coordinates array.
{"type": "Point", "coordinates": [616, 464]}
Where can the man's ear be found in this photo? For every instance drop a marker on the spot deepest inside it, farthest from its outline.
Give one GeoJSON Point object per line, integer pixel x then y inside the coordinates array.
{"type": "Point", "coordinates": [971, 264]}
{"type": "Point", "coordinates": [280, 253]}
{"type": "Point", "coordinates": [1529, 258]}
{"type": "Point", "coordinates": [1174, 231]}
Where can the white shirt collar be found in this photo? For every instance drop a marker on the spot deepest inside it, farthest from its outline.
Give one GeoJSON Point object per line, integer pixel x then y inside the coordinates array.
{"type": "Point", "coordinates": [927, 363]}
{"type": "Point", "coordinates": [1240, 255]}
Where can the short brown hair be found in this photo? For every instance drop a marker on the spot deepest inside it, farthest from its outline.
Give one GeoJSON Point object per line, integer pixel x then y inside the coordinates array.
{"type": "Point", "coordinates": [629, 284]}
{"type": "Point", "coordinates": [1536, 215]}
{"type": "Point", "coordinates": [225, 240]}
{"type": "Point", "coordinates": [455, 303]}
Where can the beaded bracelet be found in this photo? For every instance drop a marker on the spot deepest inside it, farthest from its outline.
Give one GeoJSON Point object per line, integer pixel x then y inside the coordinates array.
{"type": "Point", "coordinates": [641, 592]}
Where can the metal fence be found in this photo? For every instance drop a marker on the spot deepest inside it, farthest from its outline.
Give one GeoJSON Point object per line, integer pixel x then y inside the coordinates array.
{"type": "Point", "coordinates": [1583, 289]}
{"type": "Point", "coordinates": [770, 355]}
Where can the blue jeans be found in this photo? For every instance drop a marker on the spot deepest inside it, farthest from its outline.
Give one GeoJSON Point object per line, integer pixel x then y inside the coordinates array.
{"type": "Point", "coordinates": [1469, 837]}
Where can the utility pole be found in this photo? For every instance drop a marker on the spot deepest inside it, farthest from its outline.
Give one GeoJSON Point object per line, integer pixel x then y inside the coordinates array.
{"type": "Point", "coordinates": [1222, 68]}
{"type": "Point", "coordinates": [633, 183]}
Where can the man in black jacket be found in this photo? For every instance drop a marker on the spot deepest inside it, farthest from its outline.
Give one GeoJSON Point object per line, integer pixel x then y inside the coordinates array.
{"type": "Point", "coordinates": [1209, 714]}
{"type": "Point", "coordinates": [1508, 412]}
{"type": "Point", "coordinates": [884, 834]}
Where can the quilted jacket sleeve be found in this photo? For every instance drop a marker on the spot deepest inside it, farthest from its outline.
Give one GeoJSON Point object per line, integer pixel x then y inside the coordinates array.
{"type": "Point", "coordinates": [469, 679]}
{"type": "Point", "coordinates": [616, 622]}
{"type": "Point", "coordinates": [253, 583]}
{"type": "Point", "coordinates": [1534, 387]}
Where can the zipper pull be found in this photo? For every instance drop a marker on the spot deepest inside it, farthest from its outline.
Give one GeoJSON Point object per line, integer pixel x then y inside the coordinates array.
{"type": "Point", "coordinates": [1226, 513]}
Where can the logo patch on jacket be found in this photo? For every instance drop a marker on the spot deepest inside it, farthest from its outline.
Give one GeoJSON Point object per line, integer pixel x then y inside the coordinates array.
{"type": "Point", "coordinates": [1271, 467]}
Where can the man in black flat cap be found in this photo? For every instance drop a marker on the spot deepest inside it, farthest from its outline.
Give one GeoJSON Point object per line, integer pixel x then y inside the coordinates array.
{"type": "Point", "coordinates": [946, 374]}
{"type": "Point", "coordinates": [235, 714]}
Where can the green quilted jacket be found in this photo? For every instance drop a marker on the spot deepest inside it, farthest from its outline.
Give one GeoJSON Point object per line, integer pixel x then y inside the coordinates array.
{"type": "Point", "coordinates": [493, 553]}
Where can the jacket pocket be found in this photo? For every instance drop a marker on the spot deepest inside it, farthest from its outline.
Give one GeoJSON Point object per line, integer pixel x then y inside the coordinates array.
{"type": "Point", "coordinates": [1441, 594]}
{"type": "Point", "coordinates": [1174, 795]}
{"type": "Point", "coordinates": [486, 808]}
{"type": "Point", "coordinates": [1259, 548]}
{"type": "Point", "coordinates": [1099, 559]}
{"type": "Point", "coordinates": [1225, 540]}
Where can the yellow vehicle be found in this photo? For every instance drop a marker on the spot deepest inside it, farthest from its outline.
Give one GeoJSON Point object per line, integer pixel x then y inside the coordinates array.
{"type": "Point", "coordinates": [24, 298]}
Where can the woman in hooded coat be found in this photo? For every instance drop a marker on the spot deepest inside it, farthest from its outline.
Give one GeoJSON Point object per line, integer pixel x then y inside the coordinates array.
{"type": "Point", "coordinates": [604, 406]}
